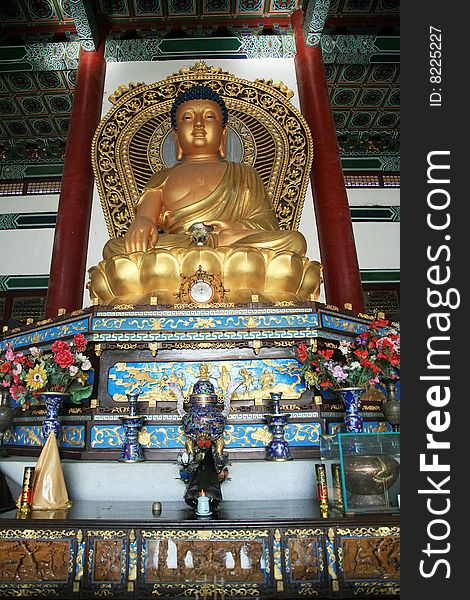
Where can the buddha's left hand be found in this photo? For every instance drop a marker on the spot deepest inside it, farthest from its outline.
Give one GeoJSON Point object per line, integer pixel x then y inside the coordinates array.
{"type": "Point", "coordinates": [228, 232]}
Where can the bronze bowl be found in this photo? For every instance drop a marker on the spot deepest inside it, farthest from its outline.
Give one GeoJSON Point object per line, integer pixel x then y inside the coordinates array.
{"type": "Point", "coordinates": [370, 474]}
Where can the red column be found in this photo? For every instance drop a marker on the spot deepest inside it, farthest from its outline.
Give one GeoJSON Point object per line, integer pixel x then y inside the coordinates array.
{"type": "Point", "coordinates": [67, 276]}
{"type": "Point", "coordinates": [335, 232]}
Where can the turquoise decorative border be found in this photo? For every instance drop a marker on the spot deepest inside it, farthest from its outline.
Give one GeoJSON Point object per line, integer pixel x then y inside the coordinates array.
{"type": "Point", "coordinates": [342, 324]}
{"type": "Point", "coordinates": [235, 436]}
{"type": "Point", "coordinates": [199, 321]}
{"type": "Point", "coordinates": [71, 436]}
{"type": "Point", "coordinates": [47, 334]}
{"type": "Point", "coordinates": [199, 325]}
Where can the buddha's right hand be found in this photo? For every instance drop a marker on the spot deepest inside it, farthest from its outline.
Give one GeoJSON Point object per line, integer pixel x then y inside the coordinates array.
{"type": "Point", "coordinates": [141, 235]}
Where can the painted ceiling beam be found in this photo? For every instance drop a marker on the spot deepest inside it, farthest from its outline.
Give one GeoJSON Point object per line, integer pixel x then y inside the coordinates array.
{"type": "Point", "coordinates": [314, 21]}
{"type": "Point", "coordinates": [338, 49]}
{"type": "Point", "coordinates": [85, 24]}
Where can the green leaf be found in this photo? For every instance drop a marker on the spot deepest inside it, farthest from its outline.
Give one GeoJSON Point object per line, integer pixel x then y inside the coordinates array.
{"type": "Point", "coordinates": [79, 392]}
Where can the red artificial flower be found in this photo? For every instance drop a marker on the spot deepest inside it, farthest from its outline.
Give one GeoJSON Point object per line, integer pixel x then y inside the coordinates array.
{"type": "Point", "coordinates": [326, 383]}
{"type": "Point", "coordinates": [301, 350]}
{"type": "Point", "coordinates": [327, 354]}
{"type": "Point", "coordinates": [6, 367]}
{"type": "Point", "coordinates": [361, 353]}
{"type": "Point", "coordinates": [59, 346]}
{"type": "Point", "coordinates": [64, 358]}
{"type": "Point", "coordinates": [80, 341]}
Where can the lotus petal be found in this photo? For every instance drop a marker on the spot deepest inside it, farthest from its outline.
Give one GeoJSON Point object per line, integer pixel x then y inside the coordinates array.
{"type": "Point", "coordinates": [244, 268]}
{"type": "Point", "coordinates": [284, 273]}
{"type": "Point", "coordinates": [159, 270]}
{"type": "Point", "coordinates": [123, 274]}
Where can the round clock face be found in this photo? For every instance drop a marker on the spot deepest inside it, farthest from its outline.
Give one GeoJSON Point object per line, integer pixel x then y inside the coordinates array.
{"type": "Point", "coordinates": [201, 291]}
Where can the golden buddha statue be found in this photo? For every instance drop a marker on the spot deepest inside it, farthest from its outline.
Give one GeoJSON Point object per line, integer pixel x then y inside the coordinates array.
{"type": "Point", "coordinates": [245, 244]}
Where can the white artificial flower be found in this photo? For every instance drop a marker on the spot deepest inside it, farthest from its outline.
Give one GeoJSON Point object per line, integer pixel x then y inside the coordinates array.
{"type": "Point", "coordinates": [73, 370]}
{"type": "Point", "coordinates": [86, 365]}
{"type": "Point", "coordinates": [355, 365]}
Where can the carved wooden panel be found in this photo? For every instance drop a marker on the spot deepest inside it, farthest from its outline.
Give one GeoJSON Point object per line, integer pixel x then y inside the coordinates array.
{"type": "Point", "coordinates": [107, 560]}
{"type": "Point", "coordinates": [197, 561]}
{"type": "Point", "coordinates": [34, 560]}
{"type": "Point", "coordinates": [371, 558]}
{"type": "Point", "coordinates": [303, 558]}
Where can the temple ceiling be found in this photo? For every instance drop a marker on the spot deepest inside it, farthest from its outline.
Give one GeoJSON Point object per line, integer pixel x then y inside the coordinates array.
{"type": "Point", "coordinates": [40, 42]}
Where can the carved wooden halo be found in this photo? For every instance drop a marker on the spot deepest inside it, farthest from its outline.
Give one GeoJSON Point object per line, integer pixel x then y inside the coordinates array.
{"type": "Point", "coordinates": [213, 282]}
{"type": "Point", "coordinates": [122, 161]}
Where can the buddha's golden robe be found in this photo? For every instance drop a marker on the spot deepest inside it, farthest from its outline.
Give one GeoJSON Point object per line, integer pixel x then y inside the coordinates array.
{"type": "Point", "coordinates": [240, 197]}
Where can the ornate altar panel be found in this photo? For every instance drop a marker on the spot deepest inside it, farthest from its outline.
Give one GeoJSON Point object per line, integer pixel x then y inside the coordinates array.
{"type": "Point", "coordinates": [268, 549]}
{"type": "Point", "coordinates": [257, 377]}
{"type": "Point", "coordinates": [369, 559]}
{"type": "Point", "coordinates": [153, 346]}
{"type": "Point", "coordinates": [37, 562]}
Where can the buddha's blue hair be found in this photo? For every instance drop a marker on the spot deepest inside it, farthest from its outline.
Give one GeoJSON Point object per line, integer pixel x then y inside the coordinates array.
{"type": "Point", "coordinates": [199, 92]}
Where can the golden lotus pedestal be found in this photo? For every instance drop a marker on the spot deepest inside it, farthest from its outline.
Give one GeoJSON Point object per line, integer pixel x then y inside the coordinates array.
{"type": "Point", "coordinates": [236, 274]}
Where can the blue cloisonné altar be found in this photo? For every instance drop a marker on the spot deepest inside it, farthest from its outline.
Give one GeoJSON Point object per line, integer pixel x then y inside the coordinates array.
{"type": "Point", "coordinates": [146, 348]}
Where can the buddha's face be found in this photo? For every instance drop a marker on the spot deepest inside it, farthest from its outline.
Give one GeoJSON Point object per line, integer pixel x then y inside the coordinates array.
{"type": "Point", "coordinates": [199, 129]}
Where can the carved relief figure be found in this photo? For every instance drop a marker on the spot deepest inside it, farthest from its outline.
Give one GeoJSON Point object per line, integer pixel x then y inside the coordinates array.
{"type": "Point", "coordinates": [371, 558]}
{"type": "Point", "coordinates": [107, 555]}
{"type": "Point", "coordinates": [32, 560]}
{"type": "Point", "coordinates": [303, 559]}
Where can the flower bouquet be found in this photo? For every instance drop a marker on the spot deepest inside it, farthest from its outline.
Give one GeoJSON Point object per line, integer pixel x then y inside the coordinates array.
{"type": "Point", "coordinates": [64, 369]}
{"type": "Point", "coordinates": [370, 358]}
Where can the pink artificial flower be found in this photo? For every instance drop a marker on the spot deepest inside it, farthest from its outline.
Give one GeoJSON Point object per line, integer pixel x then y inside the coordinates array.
{"type": "Point", "coordinates": [9, 354]}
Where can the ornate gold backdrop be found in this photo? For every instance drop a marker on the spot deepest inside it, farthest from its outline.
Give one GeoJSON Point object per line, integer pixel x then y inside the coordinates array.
{"type": "Point", "coordinates": [129, 143]}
